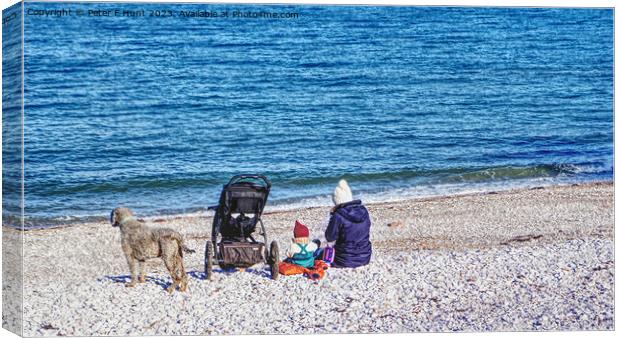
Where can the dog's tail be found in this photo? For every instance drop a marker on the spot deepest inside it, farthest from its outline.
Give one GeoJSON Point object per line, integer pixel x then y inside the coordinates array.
{"type": "Point", "coordinates": [182, 247]}
{"type": "Point", "coordinates": [186, 249]}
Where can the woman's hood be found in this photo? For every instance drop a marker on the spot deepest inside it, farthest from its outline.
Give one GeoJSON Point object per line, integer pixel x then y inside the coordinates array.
{"type": "Point", "coordinates": [353, 211]}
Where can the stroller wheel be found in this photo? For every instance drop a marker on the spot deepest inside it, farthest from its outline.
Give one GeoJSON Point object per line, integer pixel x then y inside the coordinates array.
{"type": "Point", "coordinates": [209, 260]}
{"type": "Point", "coordinates": [274, 260]}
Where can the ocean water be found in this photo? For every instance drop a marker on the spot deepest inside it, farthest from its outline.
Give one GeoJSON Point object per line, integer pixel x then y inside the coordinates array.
{"type": "Point", "coordinates": [157, 113]}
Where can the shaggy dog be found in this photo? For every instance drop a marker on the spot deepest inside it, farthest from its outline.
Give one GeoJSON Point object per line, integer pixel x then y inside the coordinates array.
{"type": "Point", "coordinates": [140, 243]}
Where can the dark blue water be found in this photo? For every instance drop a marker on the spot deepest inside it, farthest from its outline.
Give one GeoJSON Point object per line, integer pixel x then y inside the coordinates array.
{"type": "Point", "coordinates": [12, 117]}
{"type": "Point", "coordinates": [158, 113]}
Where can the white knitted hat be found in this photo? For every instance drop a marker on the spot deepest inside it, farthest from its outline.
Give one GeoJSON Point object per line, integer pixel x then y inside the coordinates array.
{"type": "Point", "coordinates": [342, 193]}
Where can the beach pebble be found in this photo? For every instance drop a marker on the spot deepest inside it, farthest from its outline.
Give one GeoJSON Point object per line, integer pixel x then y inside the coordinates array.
{"type": "Point", "coordinates": [450, 273]}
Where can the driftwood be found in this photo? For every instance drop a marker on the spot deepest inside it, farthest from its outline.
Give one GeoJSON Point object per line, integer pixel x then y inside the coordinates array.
{"type": "Point", "coordinates": [523, 238]}
{"type": "Point", "coordinates": [605, 266]}
{"type": "Point", "coordinates": [395, 224]}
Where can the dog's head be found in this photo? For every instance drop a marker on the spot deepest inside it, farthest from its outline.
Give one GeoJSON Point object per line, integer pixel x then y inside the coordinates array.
{"type": "Point", "coordinates": [119, 215]}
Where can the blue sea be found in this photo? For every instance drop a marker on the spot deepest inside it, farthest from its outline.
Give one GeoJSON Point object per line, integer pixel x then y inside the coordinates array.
{"type": "Point", "coordinates": [157, 112]}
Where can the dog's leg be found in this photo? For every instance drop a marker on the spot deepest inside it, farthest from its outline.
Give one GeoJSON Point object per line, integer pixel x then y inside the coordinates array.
{"type": "Point", "coordinates": [169, 261]}
{"type": "Point", "coordinates": [142, 276]}
{"type": "Point", "coordinates": [132, 268]}
{"type": "Point", "coordinates": [183, 275]}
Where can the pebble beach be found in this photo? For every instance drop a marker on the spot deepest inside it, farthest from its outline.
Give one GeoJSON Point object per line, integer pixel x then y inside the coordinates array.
{"type": "Point", "coordinates": [516, 260]}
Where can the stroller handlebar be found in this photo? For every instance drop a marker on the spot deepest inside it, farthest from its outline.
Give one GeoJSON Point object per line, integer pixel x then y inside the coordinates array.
{"type": "Point", "coordinates": [238, 178]}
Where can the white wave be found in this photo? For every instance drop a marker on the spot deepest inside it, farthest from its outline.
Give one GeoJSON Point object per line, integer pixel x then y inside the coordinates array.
{"type": "Point", "coordinates": [421, 191]}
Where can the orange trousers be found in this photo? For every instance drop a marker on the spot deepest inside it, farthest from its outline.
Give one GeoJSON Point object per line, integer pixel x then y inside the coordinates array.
{"type": "Point", "coordinates": [315, 273]}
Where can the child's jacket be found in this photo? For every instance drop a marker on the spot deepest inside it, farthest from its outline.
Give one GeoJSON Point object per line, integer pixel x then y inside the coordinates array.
{"type": "Point", "coordinates": [303, 254]}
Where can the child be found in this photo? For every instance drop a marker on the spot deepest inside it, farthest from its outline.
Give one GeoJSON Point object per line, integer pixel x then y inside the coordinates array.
{"type": "Point", "coordinates": [302, 250]}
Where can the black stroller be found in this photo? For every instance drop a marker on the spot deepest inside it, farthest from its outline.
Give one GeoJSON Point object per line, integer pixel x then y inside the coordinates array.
{"type": "Point", "coordinates": [239, 211]}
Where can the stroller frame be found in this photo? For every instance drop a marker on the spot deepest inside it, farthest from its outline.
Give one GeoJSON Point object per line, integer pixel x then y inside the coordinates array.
{"type": "Point", "coordinates": [243, 194]}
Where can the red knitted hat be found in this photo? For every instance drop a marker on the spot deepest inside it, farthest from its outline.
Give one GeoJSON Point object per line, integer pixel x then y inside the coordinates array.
{"type": "Point", "coordinates": [300, 230]}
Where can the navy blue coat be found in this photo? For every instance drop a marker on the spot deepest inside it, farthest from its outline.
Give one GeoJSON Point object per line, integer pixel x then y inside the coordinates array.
{"type": "Point", "coordinates": [349, 226]}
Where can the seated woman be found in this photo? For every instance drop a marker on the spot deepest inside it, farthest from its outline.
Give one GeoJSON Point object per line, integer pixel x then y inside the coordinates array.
{"type": "Point", "coordinates": [349, 228]}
